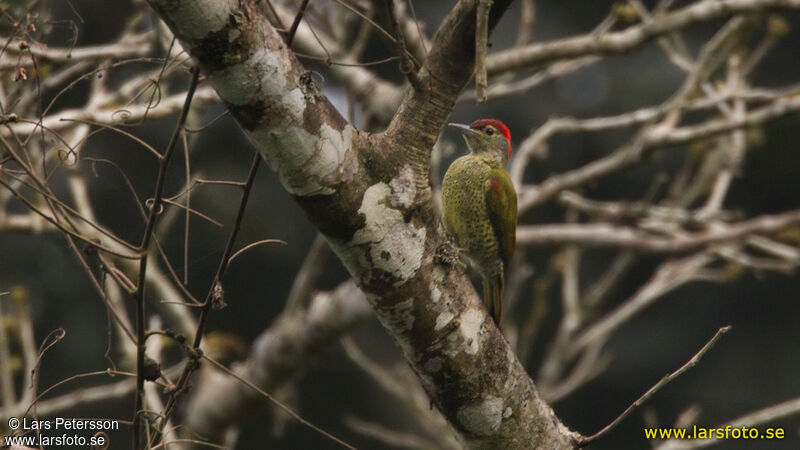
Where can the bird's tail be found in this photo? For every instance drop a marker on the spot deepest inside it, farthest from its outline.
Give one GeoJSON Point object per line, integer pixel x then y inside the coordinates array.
{"type": "Point", "coordinates": [493, 287]}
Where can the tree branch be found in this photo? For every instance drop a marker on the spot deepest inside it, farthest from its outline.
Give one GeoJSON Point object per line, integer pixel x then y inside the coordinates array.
{"type": "Point", "coordinates": [605, 234]}
{"type": "Point", "coordinates": [652, 391]}
{"type": "Point", "coordinates": [370, 197]}
{"type": "Point", "coordinates": [622, 41]}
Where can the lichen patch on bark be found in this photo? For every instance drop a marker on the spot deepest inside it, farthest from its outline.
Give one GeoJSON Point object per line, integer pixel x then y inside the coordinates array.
{"type": "Point", "coordinates": [403, 187]}
{"type": "Point", "coordinates": [260, 76]}
{"type": "Point", "coordinates": [196, 22]}
{"type": "Point", "coordinates": [470, 328]}
{"type": "Point", "coordinates": [442, 320]}
{"type": "Point", "coordinates": [307, 164]}
{"type": "Point", "coordinates": [436, 294]}
{"type": "Point", "coordinates": [394, 246]}
{"type": "Point", "coordinates": [308, 157]}
{"type": "Point", "coordinates": [482, 418]}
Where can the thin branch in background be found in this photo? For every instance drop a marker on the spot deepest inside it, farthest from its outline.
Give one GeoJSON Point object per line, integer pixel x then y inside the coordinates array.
{"type": "Point", "coordinates": [188, 206]}
{"type": "Point", "coordinates": [60, 211]}
{"type": "Point", "coordinates": [214, 297]}
{"type": "Point", "coordinates": [527, 84]}
{"type": "Point", "coordinates": [28, 342]}
{"type": "Point", "coordinates": [400, 383]}
{"type": "Point", "coordinates": [392, 438]}
{"type": "Point", "coordinates": [254, 244]}
{"type": "Point", "coordinates": [6, 377]}
{"type": "Point", "coordinates": [128, 184]}
{"type": "Point", "coordinates": [367, 19]}
{"type": "Point", "coordinates": [275, 401]}
{"type": "Point", "coordinates": [592, 362]}
{"type": "Point", "coordinates": [119, 315]}
{"type": "Point", "coordinates": [209, 124]}
{"type": "Point", "coordinates": [61, 227]}
{"type": "Point", "coordinates": [586, 440]}
{"type": "Point", "coordinates": [49, 341]}
{"type": "Point", "coordinates": [139, 427]}
{"type": "Point", "coordinates": [531, 324]}
{"type": "Point", "coordinates": [296, 23]}
{"type": "Point", "coordinates": [329, 62]}
{"type": "Point", "coordinates": [35, 403]}
{"type": "Point", "coordinates": [157, 82]}
{"type": "Point", "coordinates": [422, 37]}
{"type": "Point", "coordinates": [194, 212]}
{"type": "Point", "coordinates": [303, 285]}
{"type": "Point", "coordinates": [407, 64]}
{"type": "Point", "coordinates": [600, 289]}
{"type": "Point", "coordinates": [624, 40]}
{"type": "Point", "coordinates": [275, 15]}
{"type": "Point", "coordinates": [668, 277]}
{"type": "Point", "coordinates": [769, 414]}
{"type": "Point", "coordinates": [526, 20]}
{"type": "Point", "coordinates": [604, 234]}
{"type": "Point", "coordinates": [328, 58]}
{"type": "Point", "coordinates": [481, 42]}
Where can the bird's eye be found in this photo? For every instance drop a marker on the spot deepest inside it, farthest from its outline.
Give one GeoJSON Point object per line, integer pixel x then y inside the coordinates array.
{"type": "Point", "coordinates": [490, 131]}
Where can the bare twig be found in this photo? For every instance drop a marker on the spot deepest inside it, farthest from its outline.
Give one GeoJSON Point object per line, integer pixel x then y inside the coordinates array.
{"type": "Point", "coordinates": [153, 213]}
{"type": "Point", "coordinates": [604, 234]}
{"type": "Point", "coordinates": [296, 23]}
{"type": "Point", "coordinates": [407, 65]}
{"type": "Point", "coordinates": [6, 377]}
{"type": "Point", "coordinates": [752, 419]}
{"type": "Point", "coordinates": [275, 401]}
{"type": "Point", "coordinates": [481, 42]}
{"type": "Point", "coordinates": [303, 285]}
{"type": "Point", "coordinates": [215, 295]}
{"type": "Point", "coordinates": [271, 364]}
{"type": "Point", "coordinates": [586, 440]}
{"type": "Point", "coordinates": [621, 41]}
{"type": "Point", "coordinates": [669, 276]}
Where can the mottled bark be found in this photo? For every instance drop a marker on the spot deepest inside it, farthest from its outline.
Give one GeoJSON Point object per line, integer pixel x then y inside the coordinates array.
{"type": "Point", "coordinates": [370, 196]}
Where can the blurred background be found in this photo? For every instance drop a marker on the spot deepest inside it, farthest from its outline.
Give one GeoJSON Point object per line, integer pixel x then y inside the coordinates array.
{"type": "Point", "coordinates": [755, 365]}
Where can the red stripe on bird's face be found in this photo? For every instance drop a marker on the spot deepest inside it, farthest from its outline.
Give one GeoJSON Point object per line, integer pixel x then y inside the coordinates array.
{"type": "Point", "coordinates": [483, 123]}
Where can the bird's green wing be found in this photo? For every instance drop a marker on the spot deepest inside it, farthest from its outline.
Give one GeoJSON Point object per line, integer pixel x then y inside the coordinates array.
{"type": "Point", "coordinates": [501, 200]}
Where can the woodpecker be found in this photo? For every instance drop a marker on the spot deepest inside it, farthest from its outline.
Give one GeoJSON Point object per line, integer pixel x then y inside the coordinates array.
{"type": "Point", "coordinates": [479, 205]}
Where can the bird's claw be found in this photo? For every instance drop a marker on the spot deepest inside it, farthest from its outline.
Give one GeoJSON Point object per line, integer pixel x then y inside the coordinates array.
{"type": "Point", "coordinates": [447, 255]}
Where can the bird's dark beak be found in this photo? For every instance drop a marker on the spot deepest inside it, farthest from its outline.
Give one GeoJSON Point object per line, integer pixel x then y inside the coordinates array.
{"type": "Point", "coordinates": [464, 129]}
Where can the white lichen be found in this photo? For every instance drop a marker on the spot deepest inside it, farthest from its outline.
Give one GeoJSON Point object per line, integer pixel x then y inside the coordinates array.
{"type": "Point", "coordinates": [262, 75]}
{"type": "Point", "coordinates": [470, 328]}
{"type": "Point", "coordinates": [442, 320]}
{"type": "Point", "coordinates": [436, 294]}
{"type": "Point", "coordinates": [334, 146]}
{"type": "Point", "coordinates": [307, 161]}
{"type": "Point", "coordinates": [403, 187]}
{"type": "Point", "coordinates": [482, 418]}
{"type": "Point", "coordinates": [395, 246]}
{"type": "Point", "coordinates": [307, 164]}
{"type": "Point", "coordinates": [196, 22]}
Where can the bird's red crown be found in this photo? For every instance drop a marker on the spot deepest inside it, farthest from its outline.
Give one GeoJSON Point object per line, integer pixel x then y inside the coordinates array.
{"type": "Point", "coordinates": [483, 123]}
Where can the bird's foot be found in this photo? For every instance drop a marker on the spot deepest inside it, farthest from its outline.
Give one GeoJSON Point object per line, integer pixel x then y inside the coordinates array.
{"type": "Point", "coordinates": [447, 255]}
